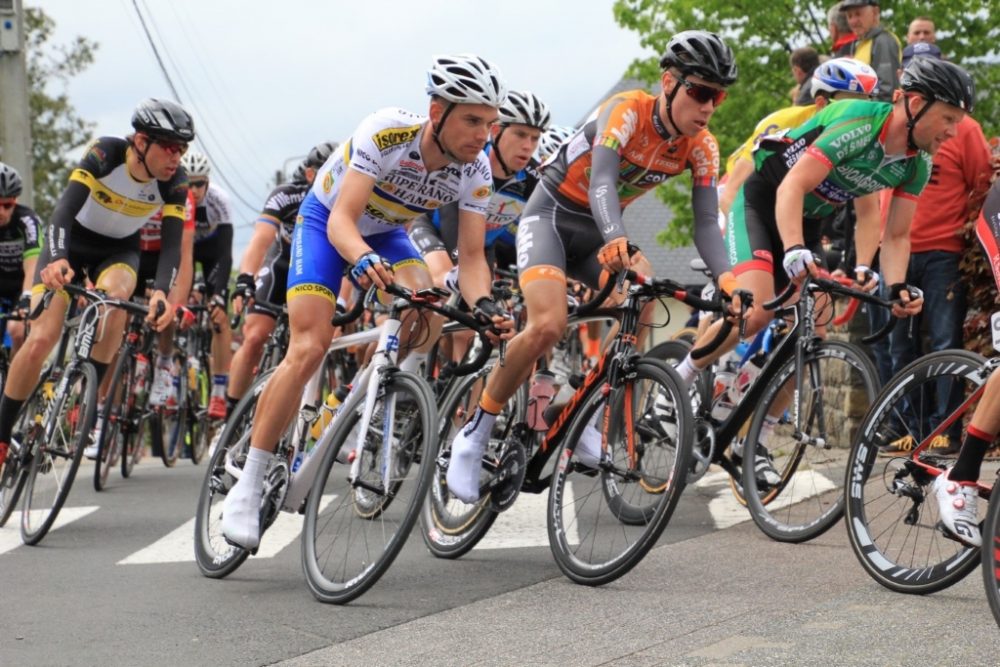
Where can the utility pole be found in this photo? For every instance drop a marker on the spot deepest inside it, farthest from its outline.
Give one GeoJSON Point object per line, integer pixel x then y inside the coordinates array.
{"type": "Point", "coordinates": [15, 126]}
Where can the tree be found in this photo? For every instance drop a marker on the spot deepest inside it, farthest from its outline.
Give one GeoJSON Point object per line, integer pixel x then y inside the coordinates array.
{"type": "Point", "coordinates": [55, 126]}
{"type": "Point", "coordinates": [763, 34]}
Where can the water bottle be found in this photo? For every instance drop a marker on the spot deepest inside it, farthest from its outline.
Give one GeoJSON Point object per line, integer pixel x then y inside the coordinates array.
{"type": "Point", "coordinates": [543, 390]}
{"type": "Point", "coordinates": [141, 367]}
{"type": "Point", "coordinates": [329, 409]}
{"type": "Point", "coordinates": [723, 394]}
{"type": "Point", "coordinates": [194, 366]}
{"type": "Point", "coordinates": [746, 375]}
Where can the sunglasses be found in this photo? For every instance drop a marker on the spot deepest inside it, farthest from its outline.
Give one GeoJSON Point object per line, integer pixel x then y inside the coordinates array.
{"type": "Point", "coordinates": [8, 204]}
{"type": "Point", "coordinates": [173, 147]}
{"type": "Point", "coordinates": [197, 184]}
{"type": "Point", "coordinates": [701, 93]}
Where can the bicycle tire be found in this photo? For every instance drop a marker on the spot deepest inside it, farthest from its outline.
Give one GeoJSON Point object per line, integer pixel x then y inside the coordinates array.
{"type": "Point", "coordinates": [216, 557]}
{"type": "Point", "coordinates": [570, 505]}
{"type": "Point", "coordinates": [449, 527]}
{"type": "Point", "coordinates": [889, 532]}
{"type": "Point", "coordinates": [173, 420]}
{"type": "Point", "coordinates": [200, 428]}
{"type": "Point", "coordinates": [14, 471]}
{"type": "Point", "coordinates": [109, 445]}
{"type": "Point", "coordinates": [393, 524]}
{"type": "Point", "coordinates": [991, 555]}
{"type": "Point", "coordinates": [75, 412]}
{"type": "Point", "coordinates": [141, 422]}
{"type": "Point", "coordinates": [809, 500]}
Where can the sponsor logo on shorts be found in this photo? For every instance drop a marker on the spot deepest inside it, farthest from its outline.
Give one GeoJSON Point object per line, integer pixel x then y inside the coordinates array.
{"type": "Point", "coordinates": [314, 289]}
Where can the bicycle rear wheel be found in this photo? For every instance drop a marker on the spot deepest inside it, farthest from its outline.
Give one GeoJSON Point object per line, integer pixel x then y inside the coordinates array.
{"type": "Point", "coordinates": [55, 462]}
{"type": "Point", "coordinates": [200, 428]}
{"type": "Point", "coordinates": [892, 514]}
{"type": "Point", "coordinates": [141, 422]}
{"type": "Point", "coordinates": [346, 546]}
{"type": "Point", "coordinates": [838, 384]}
{"type": "Point", "coordinates": [602, 524]}
{"type": "Point", "coordinates": [216, 557]}
{"type": "Point", "coordinates": [173, 417]}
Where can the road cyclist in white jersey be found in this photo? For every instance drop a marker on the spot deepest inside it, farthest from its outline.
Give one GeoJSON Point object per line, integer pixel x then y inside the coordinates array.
{"type": "Point", "coordinates": [394, 167]}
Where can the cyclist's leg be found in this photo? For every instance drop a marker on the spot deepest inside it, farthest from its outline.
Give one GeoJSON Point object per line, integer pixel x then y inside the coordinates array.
{"type": "Point", "coordinates": [410, 271]}
{"type": "Point", "coordinates": [117, 277]}
{"type": "Point", "coordinates": [312, 291]}
{"type": "Point", "coordinates": [272, 283]}
{"type": "Point", "coordinates": [541, 268]}
{"type": "Point", "coordinates": [215, 259]}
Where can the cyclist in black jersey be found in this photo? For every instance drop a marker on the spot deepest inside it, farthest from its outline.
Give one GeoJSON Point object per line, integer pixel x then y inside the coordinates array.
{"type": "Point", "coordinates": [264, 268]}
{"type": "Point", "coordinates": [117, 186]}
{"type": "Point", "coordinates": [20, 244]}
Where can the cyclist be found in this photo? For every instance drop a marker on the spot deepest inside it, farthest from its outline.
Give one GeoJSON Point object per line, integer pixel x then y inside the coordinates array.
{"type": "Point", "coordinates": [396, 166]}
{"type": "Point", "coordinates": [213, 249]}
{"type": "Point", "coordinates": [849, 151]}
{"type": "Point", "coordinates": [20, 243]}
{"type": "Point", "coordinates": [521, 121]}
{"type": "Point", "coordinates": [117, 186]}
{"type": "Point", "coordinates": [836, 79]}
{"type": "Point", "coordinates": [266, 257]}
{"type": "Point", "coordinates": [573, 222]}
{"type": "Point", "coordinates": [955, 489]}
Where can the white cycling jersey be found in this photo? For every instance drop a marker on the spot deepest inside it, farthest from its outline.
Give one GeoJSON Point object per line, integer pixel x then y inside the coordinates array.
{"type": "Point", "coordinates": [386, 146]}
{"type": "Point", "coordinates": [214, 211]}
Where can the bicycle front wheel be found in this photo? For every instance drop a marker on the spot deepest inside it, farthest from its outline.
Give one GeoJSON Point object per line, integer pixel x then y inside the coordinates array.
{"type": "Point", "coordinates": [55, 462]}
{"type": "Point", "coordinates": [113, 430]}
{"type": "Point", "coordinates": [602, 523]}
{"type": "Point", "coordinates": [354, 529]}
{"type": "Point", "coordinates": [173, 416]}
{"type": "Point", "coordinates": [892, 514]}
{"type": "Point", "coordinates": [839, 382]}
{"type": "Point", "coordinates": [991, 555]}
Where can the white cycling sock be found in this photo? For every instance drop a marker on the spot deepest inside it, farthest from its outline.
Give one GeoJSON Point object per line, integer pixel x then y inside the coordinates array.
{"type": "Point", "coordinates": [241, 509]}
{"type": "Point", "coordinates": [686, 370]}
{"type": "Point", "coordinates": [466, 456]}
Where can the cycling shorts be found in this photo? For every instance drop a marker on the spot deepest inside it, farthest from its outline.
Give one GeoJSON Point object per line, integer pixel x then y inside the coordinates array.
{"type": "Point", "coordinates": [556, 237]}
{"type": "Point", "coordinates": [92, 254]}
{"type": "Point", "coordinates": [317, 268]}
{"type": "Point", "coordinates": [272, 281]}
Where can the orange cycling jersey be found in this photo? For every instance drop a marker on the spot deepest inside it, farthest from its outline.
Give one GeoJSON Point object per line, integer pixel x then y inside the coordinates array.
{"type": "Point", "coordinates": [629, 123]}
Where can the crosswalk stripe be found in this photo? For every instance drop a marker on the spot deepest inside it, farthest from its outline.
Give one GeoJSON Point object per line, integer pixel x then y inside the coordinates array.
{"type": "Point", "coordinates": [178, 545]}
{"type": "Point", "coordinates": [10, 535]}
{"type": "Point", "coordinates": [525, 524]}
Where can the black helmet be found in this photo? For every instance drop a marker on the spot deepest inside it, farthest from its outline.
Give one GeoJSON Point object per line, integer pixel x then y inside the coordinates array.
{"type": "Point", "coordinates": [320, 153]}
{"type": "Point", "coordinates": [10, 181]}
{"type": "Point", "coordinates": [299, 175]}
{"type": "Point", "coordinates": [940, 80]}
{"type": "Point", "coordinates": [703, 54]}
{"type": "Point", "coordinates": [163, 119]}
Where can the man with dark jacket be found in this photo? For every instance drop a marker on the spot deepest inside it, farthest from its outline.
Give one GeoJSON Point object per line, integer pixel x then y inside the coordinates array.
{"type": "Point", "coordinates": [875, 45]}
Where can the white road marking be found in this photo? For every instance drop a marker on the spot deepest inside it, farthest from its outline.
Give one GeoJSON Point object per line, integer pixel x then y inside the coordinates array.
{"type": "Point", "coordinates": [10, 535]}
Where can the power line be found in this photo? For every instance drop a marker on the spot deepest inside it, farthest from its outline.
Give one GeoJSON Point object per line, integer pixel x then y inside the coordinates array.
{"type": "Point", "coordinates": [177, 96]}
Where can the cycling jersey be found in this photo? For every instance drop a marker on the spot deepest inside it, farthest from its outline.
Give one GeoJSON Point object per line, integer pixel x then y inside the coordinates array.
{"type": "Point", "coordinates": [282, 209]}
{"type": "Point", "coordinates": [213, 212]}
{"type": "Point", "coordinates": [642, 155]}
{"type": "Point", "coordinates": [988, 230]}
{"type": "Point", "coordinates": [104, 199]}
{"type": "Point", "coordinates": [386, 146]}
{"type": "Point", "coordinates": [848, 136]}
{"type": "Point", "coordinates": [20, 239]}
{"type": "Point", "coordinates": [150, 233]}
{"type": "Point", "coordinates": [510, 195]}
{"type": "Point", "coordinates": [782, 119]}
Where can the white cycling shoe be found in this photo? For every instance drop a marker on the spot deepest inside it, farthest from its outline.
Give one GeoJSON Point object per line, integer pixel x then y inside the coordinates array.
{"type": "Point", "coordinates": [957, 509]}
{"type": "Point", "coordinates": [466, 464]}
{"type": "Point", "coordinates": [241, 516]}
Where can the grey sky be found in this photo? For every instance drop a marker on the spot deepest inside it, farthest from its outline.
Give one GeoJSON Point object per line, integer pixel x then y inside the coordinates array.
{"type": "Point", "coordinates": [267, 80]}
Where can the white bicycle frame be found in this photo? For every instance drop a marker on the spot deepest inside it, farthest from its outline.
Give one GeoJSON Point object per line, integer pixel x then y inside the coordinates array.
{"type": "Point", "coordinates": [362, 389]}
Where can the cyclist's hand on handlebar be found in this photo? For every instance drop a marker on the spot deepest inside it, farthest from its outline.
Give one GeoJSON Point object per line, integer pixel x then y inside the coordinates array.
{"type": "Point", "coordinates": [218, 311]}
{"type": "Point", "coordinates": [798, 261]}
{"type": "Point", "coordinates": [614, 256]}
{"type": "Point", "coordinates": [731, 288]}
{"type": "Point", "coordinates": [487, 310]}
{"type": "Point", "coordinates": [160, 312]}
{"type": "Point", "coordinates": [185, 318]}
{"type": "Point", "coordinates": [243, 291]}
{"type": "Point", "coordinates": [56, 274]}
{"type": "Point", "coordinates": [906, 300]}
{"type": "Point", "coordinates": [371, 269]}
{"type": "Point", "coordinates": [866, 279]}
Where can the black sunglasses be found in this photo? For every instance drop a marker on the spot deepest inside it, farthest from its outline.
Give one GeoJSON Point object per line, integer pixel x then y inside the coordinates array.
{"type": "Point", "coordinates": [197, 184]}
{"type": "Point", "coordinates": [701, 93]}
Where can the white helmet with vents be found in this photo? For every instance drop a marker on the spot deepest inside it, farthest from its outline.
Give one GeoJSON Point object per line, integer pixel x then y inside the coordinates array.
{"type": "Point", "coordinates": [524, 108]}
{"type": "Point", "coordinates": [195, 164]}
{"type": "Point", "coordinates": [466, 79]}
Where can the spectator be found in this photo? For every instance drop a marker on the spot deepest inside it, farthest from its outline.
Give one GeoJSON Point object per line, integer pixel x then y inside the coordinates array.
{"type": "Point", "coordinates": [840, 31]}
{"type": "Point", "coordinates": [804, 62]}
{"type": "Point", "coordinates": [875, 46]}
{"type": "Point", "coordinates": [961, 173]}
{"type": "Point", "coordinates": [921, 30]}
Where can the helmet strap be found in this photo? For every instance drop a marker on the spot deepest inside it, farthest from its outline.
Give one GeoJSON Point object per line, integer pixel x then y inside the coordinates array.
{"type": "Point", "coordinates": [142, 155]}
{"type": "Point", "coordinates": [911, 120]}
{"type": "Point", "coordinates": [670, 101]}
{"type": "Point", "coordinates": [436, 129]}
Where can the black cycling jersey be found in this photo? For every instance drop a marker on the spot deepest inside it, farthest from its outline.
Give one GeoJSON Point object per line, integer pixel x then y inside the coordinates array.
{"type": "Point", "coordinates": [20, 239]}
